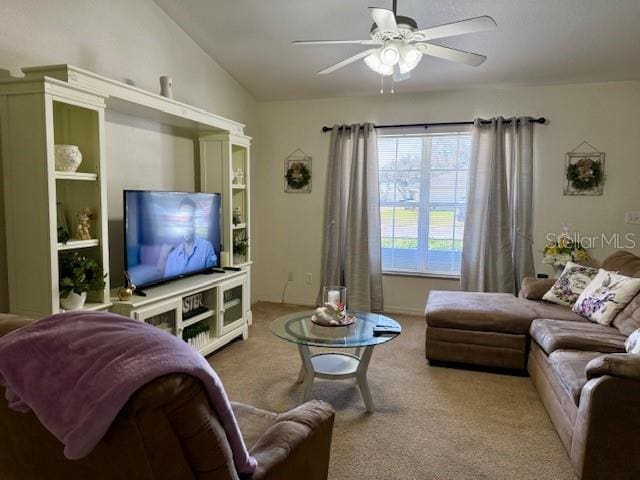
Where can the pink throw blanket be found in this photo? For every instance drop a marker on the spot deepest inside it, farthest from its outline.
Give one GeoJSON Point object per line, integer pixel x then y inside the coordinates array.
{"type": "Point", "coordinates": [76, 371]}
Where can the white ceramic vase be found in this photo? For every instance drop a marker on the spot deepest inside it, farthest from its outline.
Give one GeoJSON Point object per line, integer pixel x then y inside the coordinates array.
{"type": "Point", "coordinates": [68, 158]}
{"type": "Point", "coordinates": [73, 301]}
{"type": "Point", "coordinates": [166, 86]}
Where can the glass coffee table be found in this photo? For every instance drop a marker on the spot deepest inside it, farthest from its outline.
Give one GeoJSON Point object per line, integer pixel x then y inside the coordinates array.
{"type": "Point", "coordinates": [299, 329]}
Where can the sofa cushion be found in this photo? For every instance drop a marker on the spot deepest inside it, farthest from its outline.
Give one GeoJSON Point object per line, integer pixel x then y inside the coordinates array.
{"type": "Point", "coordinates": [535, 288]}
{"type": "Point", "coordinates": [628, 320]}
{"type": "Point", "coordinates": [570, 368]}
{"type": "Point", "coordinates": [490, 312]}
{"type": "Point", "coordinates": [627, 264]}
{"type": "Point", "coordinates": [554, 335]}
{"type": "Point", "coordinates": [623, 262]}
{"type": "Point", "coordinates": [606, 295]}
{"type": "Point", "coordinates": [572, 282]}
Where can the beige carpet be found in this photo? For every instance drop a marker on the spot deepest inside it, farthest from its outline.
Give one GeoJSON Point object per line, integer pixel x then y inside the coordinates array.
{"type": "Point", "coordinates": [430, 423]}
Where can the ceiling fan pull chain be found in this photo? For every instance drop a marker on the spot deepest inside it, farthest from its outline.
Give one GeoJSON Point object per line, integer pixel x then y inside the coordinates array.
{"type": "Point", "coordinates": [381, 84]}
{"type": "Point", "coordinates": [392, 87]}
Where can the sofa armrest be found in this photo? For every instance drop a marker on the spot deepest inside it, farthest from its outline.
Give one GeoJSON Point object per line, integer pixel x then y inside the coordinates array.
{"type": "Point", "coordinates": [297, 444]}
{"type": "Point", "coordinates": [624, 365]}
{"type": "Point", "coordinates": [535, 288]}
{"type": "Point", "coordinates": [605, 443]}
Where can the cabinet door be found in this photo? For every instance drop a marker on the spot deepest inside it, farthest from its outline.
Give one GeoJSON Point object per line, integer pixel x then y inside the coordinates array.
{"type": "Point", "coordinates": [233, 301]}
{"type": "Point", "coordinates": [166, 316]}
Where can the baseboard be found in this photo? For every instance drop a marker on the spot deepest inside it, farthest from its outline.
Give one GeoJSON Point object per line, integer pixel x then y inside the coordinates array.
{"type": "Point", "coordinates": [403, 310]}
{"type": "Point", "coordinates": [306, 302]}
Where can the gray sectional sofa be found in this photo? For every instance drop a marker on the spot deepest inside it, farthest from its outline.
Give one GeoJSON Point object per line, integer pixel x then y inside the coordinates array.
{"type": "Point", "coordinates": [587, 382]}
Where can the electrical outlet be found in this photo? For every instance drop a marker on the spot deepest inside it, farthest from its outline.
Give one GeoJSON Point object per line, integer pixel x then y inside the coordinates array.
{"type": "Point", "coordinates": [290, 277]}
{"type": "Point", "coordinates": [308, 278]}
{"type": "Point", "coordinates": [633, 218]}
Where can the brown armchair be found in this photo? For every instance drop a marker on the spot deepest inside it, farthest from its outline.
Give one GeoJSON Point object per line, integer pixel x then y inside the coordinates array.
{"type": "Point", "coordinates": [167, 430]}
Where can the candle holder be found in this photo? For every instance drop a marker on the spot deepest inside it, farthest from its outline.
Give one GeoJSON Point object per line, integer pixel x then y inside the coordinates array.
{"type": "Point", "coordinates": [333, 312]}
{"type": "Point", "coordinates": [335, 296]}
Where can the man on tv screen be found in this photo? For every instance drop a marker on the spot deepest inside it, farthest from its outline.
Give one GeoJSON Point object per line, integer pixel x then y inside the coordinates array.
{"type": "Point", "coordinates": [193, 253]}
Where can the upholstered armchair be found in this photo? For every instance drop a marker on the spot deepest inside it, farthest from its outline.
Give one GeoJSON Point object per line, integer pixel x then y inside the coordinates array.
{"type": "Point", "coordinates": [167, 430]}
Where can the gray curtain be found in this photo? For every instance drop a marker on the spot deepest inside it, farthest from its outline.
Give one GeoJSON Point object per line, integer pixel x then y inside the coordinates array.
{"type": "Point", "coordinates": [351, 242]}
{"type": "Point", "coordinates": [498, 246]}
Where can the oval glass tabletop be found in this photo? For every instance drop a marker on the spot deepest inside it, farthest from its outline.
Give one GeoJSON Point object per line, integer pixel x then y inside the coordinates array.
{"type": "Point", "coordinates": [298, 328]}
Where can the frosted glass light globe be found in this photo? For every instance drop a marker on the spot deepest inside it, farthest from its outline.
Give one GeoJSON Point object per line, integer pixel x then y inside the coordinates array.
{"type": "Point", "coordinates": [374, 63]}
{"type": "Point", "coordinates": [410, 57]}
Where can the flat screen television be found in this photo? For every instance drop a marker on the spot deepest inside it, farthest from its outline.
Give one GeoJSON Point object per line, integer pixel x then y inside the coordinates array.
{"type": "Point", "coordinates": [170, 235]}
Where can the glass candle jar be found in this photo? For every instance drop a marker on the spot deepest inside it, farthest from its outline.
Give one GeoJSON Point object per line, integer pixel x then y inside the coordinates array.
{"type": "Point", "coordinates": [336, 296]}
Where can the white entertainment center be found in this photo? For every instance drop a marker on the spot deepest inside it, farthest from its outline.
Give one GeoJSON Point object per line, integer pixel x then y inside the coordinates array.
{"type": "Point", "coordinates": [223, 311]}
{"type": "Point", "coordinates": [62, 104]}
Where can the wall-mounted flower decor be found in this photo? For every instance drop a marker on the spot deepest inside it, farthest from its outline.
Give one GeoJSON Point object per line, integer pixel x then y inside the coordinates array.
{"type": "Point", "coordinates": [584, 171]}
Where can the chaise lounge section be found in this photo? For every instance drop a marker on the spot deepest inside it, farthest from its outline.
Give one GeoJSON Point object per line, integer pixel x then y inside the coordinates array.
{"type": "Point", "coordinates": [483, 329]}
{"type": "Point", "coordinates": [587, 382]}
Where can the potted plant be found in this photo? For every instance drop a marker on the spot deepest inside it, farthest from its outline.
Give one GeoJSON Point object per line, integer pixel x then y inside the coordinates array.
{"type": "Point", "coordinates": [240, 246]}
{"type": "Point", "coordinates": [78, 275]}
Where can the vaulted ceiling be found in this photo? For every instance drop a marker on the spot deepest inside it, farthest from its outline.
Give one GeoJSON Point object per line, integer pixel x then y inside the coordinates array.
{"type": "Point", "coordinates": [536, 42]}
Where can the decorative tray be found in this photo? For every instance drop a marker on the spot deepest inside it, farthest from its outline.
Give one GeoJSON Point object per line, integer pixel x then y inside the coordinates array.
{"type": "Point", "coordinates": [348, 320]}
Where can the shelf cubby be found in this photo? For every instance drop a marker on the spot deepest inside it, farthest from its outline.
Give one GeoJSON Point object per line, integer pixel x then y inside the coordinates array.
{"type": "Point", "coordinates": [76, 125]}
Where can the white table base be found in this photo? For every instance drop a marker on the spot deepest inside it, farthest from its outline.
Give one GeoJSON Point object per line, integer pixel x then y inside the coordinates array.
{"type": "Point", "coordinates": [335, 366]}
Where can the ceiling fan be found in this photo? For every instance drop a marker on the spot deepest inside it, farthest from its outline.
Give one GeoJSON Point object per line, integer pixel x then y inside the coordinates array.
{"type": "Point", "coordinates": [399, 45]}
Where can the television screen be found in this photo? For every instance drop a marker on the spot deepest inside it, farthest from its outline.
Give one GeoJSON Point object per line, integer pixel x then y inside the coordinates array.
{"type": "Point", "coordinates": [170, 234]}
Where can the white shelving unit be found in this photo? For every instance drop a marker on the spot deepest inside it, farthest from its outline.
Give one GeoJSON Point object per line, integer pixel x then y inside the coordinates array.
{"type": "Point", "coordinates": [62, 104]}
{"type": "Point", "coordinates": [34, 117]}
{"type": "Point", "coordinates": [221, 156]}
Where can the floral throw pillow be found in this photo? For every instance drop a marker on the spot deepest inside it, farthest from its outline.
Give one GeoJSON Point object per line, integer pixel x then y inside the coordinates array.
{"type": "Point", "coordinates": [570, 285]}
{"type": "Point", "coordinates": [605, 296]}
{"type": "Point", "coordinates": [632, 344]}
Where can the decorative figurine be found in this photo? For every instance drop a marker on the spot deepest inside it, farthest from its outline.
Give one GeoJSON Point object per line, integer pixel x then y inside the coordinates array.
{"type": "Point", "coordinates": [126, 292]}
{"type": "Point", "coordinates": [83, 230]}
{"type": "Point", "coordinates": [237, 216]}
{"type": "Point", "coordinates": [333, 315]}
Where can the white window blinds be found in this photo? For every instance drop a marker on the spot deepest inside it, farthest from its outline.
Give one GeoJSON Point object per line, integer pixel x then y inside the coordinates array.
{"type": "Point", "coordinates": [423, 188]}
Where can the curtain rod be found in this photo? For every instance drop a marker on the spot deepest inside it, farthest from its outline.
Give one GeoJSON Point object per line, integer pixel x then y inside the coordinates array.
{"type": "Point", "coordinates": [541, 120]}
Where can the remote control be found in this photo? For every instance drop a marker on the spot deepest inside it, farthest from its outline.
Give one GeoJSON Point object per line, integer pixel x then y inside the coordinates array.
{"type": "Point", "coordinates": [214, 270]}
{"type": "Point", "coordinates": [379, 330]}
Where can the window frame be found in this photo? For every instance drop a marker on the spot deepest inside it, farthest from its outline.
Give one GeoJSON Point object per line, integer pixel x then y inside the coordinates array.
{"type": "Point", "coordinates": [424, 213]}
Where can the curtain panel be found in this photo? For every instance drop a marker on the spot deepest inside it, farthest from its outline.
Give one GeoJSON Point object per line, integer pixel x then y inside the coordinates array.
{"type": "Point", "coordinates": [497, 244]}
{"type": "Point", "coordinates": [351, 234]}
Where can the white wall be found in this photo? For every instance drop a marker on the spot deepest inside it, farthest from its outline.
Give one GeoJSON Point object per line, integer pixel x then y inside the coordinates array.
{"type": "Point", "coordinates": [288, 226]}
{"type": "Point", "coordinates": [126, 40]}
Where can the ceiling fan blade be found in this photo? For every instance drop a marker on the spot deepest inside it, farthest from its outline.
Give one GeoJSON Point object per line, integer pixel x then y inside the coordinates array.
{"type": "Point", "coordinates": [385, 19]}
{"type": "Point", "coordinates": [472, 25]}
{"type": "Point", "coordinates": [451, 54]}
{"type": "Point", "coordinates": [336, 42]}
{"type": "Point", "coordinates": [347, 61]}
{"type": "Point", "coordinates": [398, 76]}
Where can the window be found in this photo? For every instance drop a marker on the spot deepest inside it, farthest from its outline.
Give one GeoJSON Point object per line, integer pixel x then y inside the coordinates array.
{"type": "Point", "coordinates": [423, 190]}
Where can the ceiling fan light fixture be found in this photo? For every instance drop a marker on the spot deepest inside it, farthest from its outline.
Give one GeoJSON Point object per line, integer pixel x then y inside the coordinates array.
{"type": "Point", "coordinates": [410, 56]}
{"type": "Point", "coordinates": [374, 62]}
{"type": "Point", "coordinates": [390, 54]}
